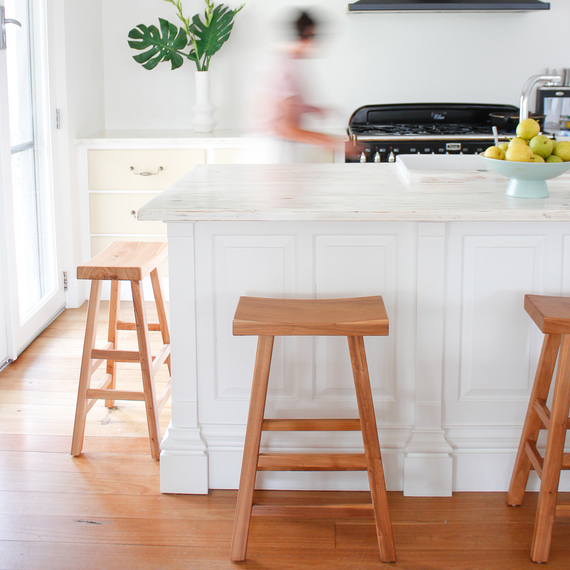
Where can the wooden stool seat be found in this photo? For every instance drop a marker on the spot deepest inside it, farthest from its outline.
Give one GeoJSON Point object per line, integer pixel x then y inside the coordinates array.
{"type": "Point", "coordinates": [327, 317]}
{"type": "Point", "coordinates": [552, 316]}
{"type": "Point", "coordinates": [123, 261]}
{"type": "Point", "coordinates": [353, 318]}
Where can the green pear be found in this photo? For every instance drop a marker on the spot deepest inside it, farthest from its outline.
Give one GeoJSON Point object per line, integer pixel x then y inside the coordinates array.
{"type": "Point", "coordinates": [541, 145]}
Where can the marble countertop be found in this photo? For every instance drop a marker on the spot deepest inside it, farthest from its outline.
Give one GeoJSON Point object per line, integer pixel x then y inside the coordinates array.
{"type": "Point", "coordinates": [348, 192]}
{"type": "Point", "coordinates": [177, 137]}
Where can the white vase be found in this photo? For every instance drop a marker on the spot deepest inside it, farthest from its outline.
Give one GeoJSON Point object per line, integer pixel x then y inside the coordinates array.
{"type": "Point", "coordinates": [203, 121]}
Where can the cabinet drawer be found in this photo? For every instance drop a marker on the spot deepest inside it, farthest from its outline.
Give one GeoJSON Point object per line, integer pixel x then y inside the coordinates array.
{"type": "Point", "coordinates": [110, 213]}
{"type": "Point", "coordinates": [111, 169]}
{"type": "Point", "coordinates": [229, 156]}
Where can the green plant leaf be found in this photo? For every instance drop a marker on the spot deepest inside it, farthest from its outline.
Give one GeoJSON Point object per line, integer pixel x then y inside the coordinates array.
{"type": "Point", "coordinates": [163, 45]}
{"type": "Point", "coordinates": [210, 39]}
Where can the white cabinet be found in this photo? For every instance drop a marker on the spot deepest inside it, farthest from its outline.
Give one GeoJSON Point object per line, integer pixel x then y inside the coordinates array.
{"type": "Point", "coordinates": [119, 172]}
{"type": "Point", "coordinates": [451, 382]}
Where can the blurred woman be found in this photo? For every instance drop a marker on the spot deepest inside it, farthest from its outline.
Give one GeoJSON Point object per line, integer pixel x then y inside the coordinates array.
{"type": "Point", "coordinates": [282, 102]}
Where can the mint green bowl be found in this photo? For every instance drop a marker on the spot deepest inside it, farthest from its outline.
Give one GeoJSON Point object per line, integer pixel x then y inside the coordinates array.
{"type": "Point", "coordinates": [527, 179]}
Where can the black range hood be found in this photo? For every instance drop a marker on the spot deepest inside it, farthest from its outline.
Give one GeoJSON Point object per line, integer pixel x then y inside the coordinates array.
{"type": "Point", "coordinates": [447, 5]}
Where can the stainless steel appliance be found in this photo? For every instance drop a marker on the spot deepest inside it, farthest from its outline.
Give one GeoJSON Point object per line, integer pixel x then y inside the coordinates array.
{"type": "Point", "coordinates": [553, 102]}
{"type": "Point", "coordinates": [378, 133]}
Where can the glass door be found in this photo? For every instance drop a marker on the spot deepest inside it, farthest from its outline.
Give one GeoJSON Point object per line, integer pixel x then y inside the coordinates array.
{"type": "Point", "coordinates": [35, 288]}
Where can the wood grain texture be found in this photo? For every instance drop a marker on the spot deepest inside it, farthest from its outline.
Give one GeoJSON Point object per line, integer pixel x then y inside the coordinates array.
{"type": "Point", "coordinates": [551, 314]}
{"type": "Point", "coordinates": [251, 447]}
{"type": "Point", "coordinates": [338, 317]}
{"type": "Point", "coordinates": [126, 260]}
{"type": "Point", "coordinates": [533, 422]}
{"type": "Point", "coordinates": [311, 425]}
{"type": "Point", "coordinates": [553, 457]}
{"type": "Point", "coordinates": [104, 509]}
{"type": "Point", "coordinates": [311, 462]}
{"type": "Point", "coordinates": [372, 449]}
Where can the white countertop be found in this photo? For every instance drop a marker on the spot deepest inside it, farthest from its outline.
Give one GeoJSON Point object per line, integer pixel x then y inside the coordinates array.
{"type": "Point", "coordinates": [165, 136]}
{"type": "Point", "coordinates": [347, 192]}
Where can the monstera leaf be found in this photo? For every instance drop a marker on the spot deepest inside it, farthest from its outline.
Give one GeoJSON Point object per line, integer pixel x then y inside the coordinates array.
{"type": "Point", "coordinates": [214, 33]}
{"type": "Point", "coordinates": [161, 45]}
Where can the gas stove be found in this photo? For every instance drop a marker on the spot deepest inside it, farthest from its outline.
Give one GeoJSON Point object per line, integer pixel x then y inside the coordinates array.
{"type": "Point", "coordinates": [378, 133]}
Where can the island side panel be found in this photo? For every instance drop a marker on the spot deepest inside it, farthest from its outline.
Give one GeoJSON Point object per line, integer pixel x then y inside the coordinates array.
{"type": "Point", "coordinates": [491, 344]}
{"type": "Point", "coordinates": [310, 377]}
{"type": "Point", "coordinates": [183, 458]}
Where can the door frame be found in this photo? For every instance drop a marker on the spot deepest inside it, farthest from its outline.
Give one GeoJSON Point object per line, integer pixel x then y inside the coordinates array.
{"type": "Point", "coordinates": [19, 334]}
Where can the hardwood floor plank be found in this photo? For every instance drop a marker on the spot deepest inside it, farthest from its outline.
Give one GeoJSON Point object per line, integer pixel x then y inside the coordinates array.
{"type": "Point", "coordinates": [73, 556]}
{"type": "Point", "coordinates": [86, 505]}
{"type": "Point", "coordinates": [62, 444]}
{"type": "Point", "coordinates": [72, 483]}
{"type": "Point", "coordinates": [162, 532]}
{"type": "Point", "coordinates": [455, 536]}
{"type": "Point", "coordinates": [104, 508]}
{"type": "Point", "coordinates": [86, 462]}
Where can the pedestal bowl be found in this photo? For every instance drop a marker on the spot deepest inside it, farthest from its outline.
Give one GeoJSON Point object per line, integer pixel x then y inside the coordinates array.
{"type": "Point", "coordinates": [527, 179]}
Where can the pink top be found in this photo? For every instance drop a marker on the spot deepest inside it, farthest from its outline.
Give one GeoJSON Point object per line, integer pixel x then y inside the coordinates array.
{"type": "Point", "coordinates": [282, 82]}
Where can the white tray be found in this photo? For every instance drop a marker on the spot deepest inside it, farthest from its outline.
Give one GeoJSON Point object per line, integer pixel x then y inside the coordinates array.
{"type": "Point", "coordinates": [438, 168]}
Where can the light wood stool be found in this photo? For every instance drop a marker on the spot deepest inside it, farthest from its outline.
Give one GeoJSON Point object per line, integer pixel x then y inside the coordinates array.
{"type": "Point", "coordinates": [354, 318]}
{"type": "Point", "coordinates": [552, 316]}
{"type": "Point", "coordinates": [123, 261]}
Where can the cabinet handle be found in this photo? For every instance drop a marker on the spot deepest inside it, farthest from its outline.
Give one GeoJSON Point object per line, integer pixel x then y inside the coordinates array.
{"type": "Point", "coordinates": [132, 169]}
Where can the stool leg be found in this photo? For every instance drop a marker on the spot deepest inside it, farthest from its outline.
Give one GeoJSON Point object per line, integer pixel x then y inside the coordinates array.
{"type": "Point", "coordinates": [532, 422]}
{"type": "Point", "coordinates": [161, 309]}
{"type": "Point", "coordinates": [553, 457]}
{"type": "Point", "coordinates": [146, 369]}
{"type": "Point", "coordinates": [251, 448]}
{"type": "Point", "coordinates": [85, 374]}
{"type": "Point", "coordinates": [372, 448]}
{"type": "Point", "coordinates": [114, 305]}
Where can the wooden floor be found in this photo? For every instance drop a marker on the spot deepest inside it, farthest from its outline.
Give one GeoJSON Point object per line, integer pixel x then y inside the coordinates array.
{"type": "Point", "coordinates": [104, 509]}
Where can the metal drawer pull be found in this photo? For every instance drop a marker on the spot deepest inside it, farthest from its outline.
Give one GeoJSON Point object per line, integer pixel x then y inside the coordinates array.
{"type": "Point", "coordinates": [132, 169]}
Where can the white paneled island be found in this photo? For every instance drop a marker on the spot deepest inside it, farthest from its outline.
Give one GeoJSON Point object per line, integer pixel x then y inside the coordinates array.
{"type": "Point", "coordinates": [452, 256]}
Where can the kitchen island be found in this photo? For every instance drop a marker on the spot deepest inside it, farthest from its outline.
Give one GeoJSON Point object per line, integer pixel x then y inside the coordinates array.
{"type": "Point", "coordinates": [451, 255]}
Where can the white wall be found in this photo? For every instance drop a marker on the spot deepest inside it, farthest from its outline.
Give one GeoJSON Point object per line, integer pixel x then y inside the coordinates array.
{"type": "Point", "coordinates": [369, 58]}
{"type": "Point", "coordinates": [78, 67]}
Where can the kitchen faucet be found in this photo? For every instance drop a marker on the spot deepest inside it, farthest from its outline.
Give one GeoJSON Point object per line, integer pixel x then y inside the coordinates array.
{"type": "Point", "coordinates": [527, 89]}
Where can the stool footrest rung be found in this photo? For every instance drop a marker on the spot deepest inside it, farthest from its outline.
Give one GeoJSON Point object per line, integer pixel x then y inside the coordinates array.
{"type": "Point", "coordinates": [340, 510]}
{"type": "Point", "coordinates": [158, 360]}
{"type": "Point", "coordinates": [543, 412]}
{"type": "Point", "coordinates": [97, 363]}
{"type": "Point", "coordinates": [534, 456]}
{"type": "Point", "coordinates": [311, 425]}
{"type": "Point", "coordinates": [312, 462]}
{"type": "Point", "coordinates": [127, 326]}
{"type": "Point", "coordinates": [112, 394]}
{"type": "Point", "coordinates": [107, 379]}
{"type": "Point", "coordinates": [163, 397]}
{"type": "Point", "coordinates": [116, 355]}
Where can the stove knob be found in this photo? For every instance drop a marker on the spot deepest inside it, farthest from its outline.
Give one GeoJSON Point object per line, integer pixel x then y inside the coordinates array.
{"type": "Point", "coordinates": [363, 157]}
{"type": "Point", "coordinates": [391, 157]}
{"type": "Point", "coordinates": [377, 157]}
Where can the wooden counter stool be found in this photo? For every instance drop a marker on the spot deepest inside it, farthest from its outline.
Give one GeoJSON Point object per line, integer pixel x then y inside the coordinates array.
{"type": "Point", "coordinates": [354, 318]}
{"type": "Point", "coordinates": [123, 261]}
{"type": "Point", "coordinates": [552, 316]}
